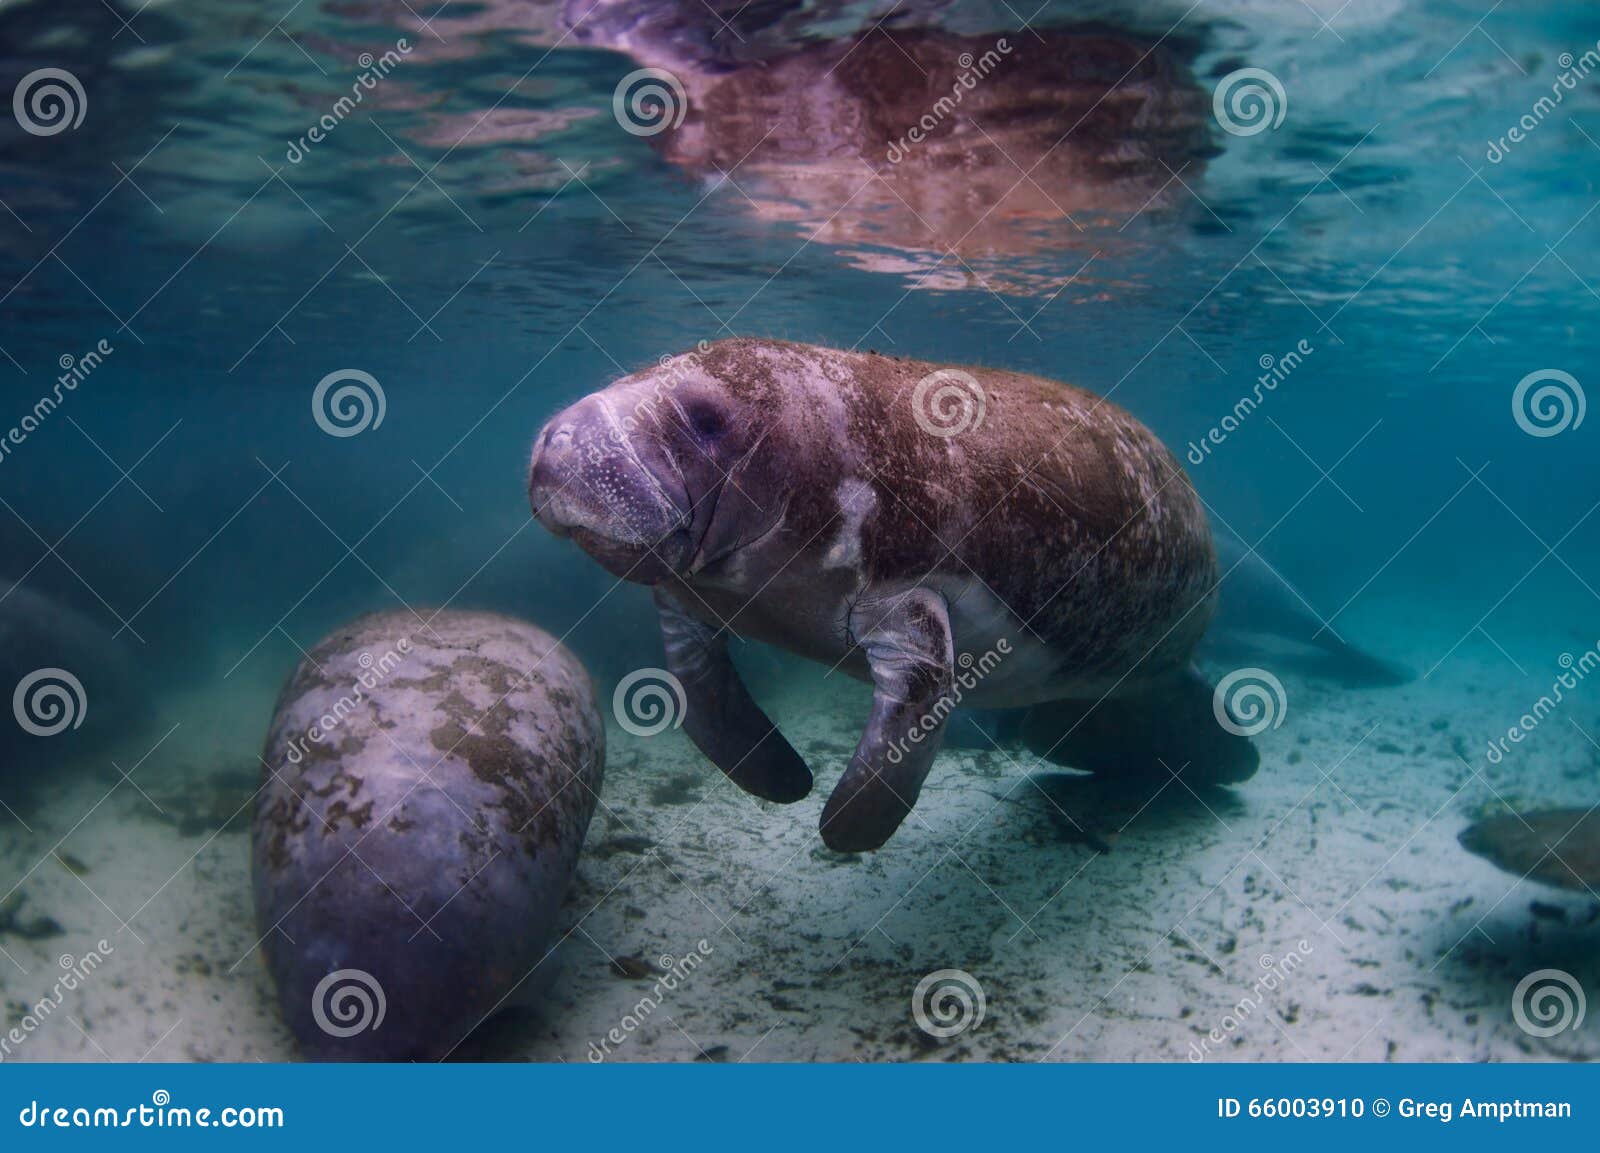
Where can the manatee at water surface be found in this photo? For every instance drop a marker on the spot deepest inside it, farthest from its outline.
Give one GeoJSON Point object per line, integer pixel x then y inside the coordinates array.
{"type": "Point", "coordinates": [428, 785]}
{"type": "Point", "coordinates": [1556, 846]}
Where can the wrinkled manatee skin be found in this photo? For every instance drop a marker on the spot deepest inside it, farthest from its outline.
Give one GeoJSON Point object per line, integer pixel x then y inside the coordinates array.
{"type": "Point", "coordinates": [427, 790]}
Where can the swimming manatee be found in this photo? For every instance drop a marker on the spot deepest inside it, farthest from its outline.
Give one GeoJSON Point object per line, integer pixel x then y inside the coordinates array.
{"type": "Point", "coordinates": [955, 536]}
{"type": "Point", "coordinates": [427, 789]}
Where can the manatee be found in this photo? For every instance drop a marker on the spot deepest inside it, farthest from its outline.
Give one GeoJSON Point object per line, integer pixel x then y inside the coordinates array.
{"type": "Point", "coordinates": [955, 158]}
{"type": "Point", "coordinates": [954, 536]}
{"type": "Point", "coordinates": [1261, 619]}
{"type": "Point", "coordinates": [857, 141]}
{"type": "Point", "coordinates": [1261, 616]}
{"type": "Point", "coordinates": [1557, 846]}
{"type": "Point", "coordinates": [67, 690]}
{"type": "Point", "coordinates": [426, 792]}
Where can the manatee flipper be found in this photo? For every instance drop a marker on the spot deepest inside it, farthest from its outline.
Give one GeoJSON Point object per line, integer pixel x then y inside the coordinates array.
{"type": "Point", "coordinates": [907, 640]}
{"type": "Point", "coordinates": [722, 718]}
{"type": "Point", "coordinates": [1169, 729]}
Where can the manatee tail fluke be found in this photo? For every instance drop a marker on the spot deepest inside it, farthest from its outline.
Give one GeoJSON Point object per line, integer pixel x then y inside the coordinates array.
{"type": "Point", "coordinates": [1171, 730]}
{"type": "Point", "coordinates": [1260, 612]}
{"type": "Point", "coordinates": [1356, 668]}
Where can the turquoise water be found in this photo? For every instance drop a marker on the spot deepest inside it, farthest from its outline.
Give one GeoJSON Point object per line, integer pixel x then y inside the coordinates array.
{"type": "Point", "coordinates": [548, 251]}
{"type": "Point", "coordinates": [1409, 236]}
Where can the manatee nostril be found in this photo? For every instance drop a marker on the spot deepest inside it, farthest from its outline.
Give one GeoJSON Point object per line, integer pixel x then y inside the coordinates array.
{"type": "Point", "coordinates": [550, 450]}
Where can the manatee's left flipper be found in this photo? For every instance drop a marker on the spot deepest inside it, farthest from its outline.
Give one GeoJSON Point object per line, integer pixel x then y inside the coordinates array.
{"type": "Point", "coordinates": [1168, 728]}
{"type": "Point", "coordinates": [906, 637]}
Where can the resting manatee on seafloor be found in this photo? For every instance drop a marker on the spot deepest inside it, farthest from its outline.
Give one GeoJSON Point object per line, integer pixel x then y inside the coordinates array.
{"type": "Point", "coordinates": [970, 536]}
{"type": "Point", "coordinates": [427, 791]}
{"type": "Point", "coordinates": [67, 690]}
{"type": "Point", "coordinates": [1557, 846]}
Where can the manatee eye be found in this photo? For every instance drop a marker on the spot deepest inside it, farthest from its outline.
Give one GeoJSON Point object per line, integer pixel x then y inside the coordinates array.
{"type": "Point", "coordinates": [706, 419]}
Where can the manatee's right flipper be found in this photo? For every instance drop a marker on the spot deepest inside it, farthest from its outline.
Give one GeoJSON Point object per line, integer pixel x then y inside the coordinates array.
{"type": "Point", "coordinates": [1171, 728]}
{"type": "Point", "coordinates": [722, 719]}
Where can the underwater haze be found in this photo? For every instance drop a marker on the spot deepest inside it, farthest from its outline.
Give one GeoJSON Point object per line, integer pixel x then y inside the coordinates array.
{"type": "Point", "coordinates": [287, 291]}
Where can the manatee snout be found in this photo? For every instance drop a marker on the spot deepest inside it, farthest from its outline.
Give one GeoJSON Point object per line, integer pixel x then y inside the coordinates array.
{"type": "Point", "coordinates": [611, 491]}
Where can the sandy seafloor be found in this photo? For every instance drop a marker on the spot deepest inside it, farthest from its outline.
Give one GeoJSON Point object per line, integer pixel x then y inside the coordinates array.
{"type": "Point", "coordinates": [1100, 927]}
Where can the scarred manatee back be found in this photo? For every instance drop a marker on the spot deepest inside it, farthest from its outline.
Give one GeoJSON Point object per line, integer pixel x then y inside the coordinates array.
{"type": "Point", "coordinates": [428, 786]}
